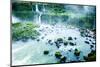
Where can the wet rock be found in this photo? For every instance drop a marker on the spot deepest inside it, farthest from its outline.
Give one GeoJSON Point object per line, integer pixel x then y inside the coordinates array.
{"type": "Point", "coordinates": [46, 52]}
{"type": "Point", "coordinates": [89, 36]}
{"type": "Point", "coordinates": [60, 40]}
{"type": "Point", "coordinates": [42, 37]}
{"type": "Point", "coordinates": [58, 55]}
{"type": "Point", "coordinates": [92, 53]}
{"type": "Point", "coordinates": [70, 50]}
{"type": "Point", "coordinates": [93, 43]}
{"type": "Point", "coordinates": [85, 58]}
{"type": "Point", "coordinates": [94, 37]}
{"type": "Point", "coordinates": [82, 33]}
{"type": "Point", "coordinates": [77, 57]}
{"type": "Point", "coordinates": [70, 38]}
{"type": "Point", "coordinates": [87, 42]}
{"type": "Point", "coordinates": [90, 40]}
{"type": "Point", "coordinates": [75, 38]}
{"type": "Point", "coordinates": [72, 44]}
{"type": "Point", "coordinates": [66, 43]}
{"type": "Point", "coordinates": [38, 39]}
{"type": "Point", "coordinates": [63, 59]}
{"type": "Point", "coordinates": [91, 56]}
{"type": "Point", "coordinates": [76, 52]}
{"type": "Point", "coordinates": [86, 38]}
{"type": "Point", "coordinates": [49, 41]}
{"type": "Point", "coordinates": [86, 35]}
{"type": "Point", "coordinates": [91, 46]}
{"type": "Point", "coordinates": [93, 30]}
{"type": "Point", "coordinates": [57, 44]}
{"type": "Point", "coordinates": [40, 30]}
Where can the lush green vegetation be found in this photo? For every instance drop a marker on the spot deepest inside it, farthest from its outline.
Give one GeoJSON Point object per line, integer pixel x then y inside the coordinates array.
{"type": "Point", "coordinates": [56, 8]}
{"type": "Point", "coordinates": [51, 31]}
{"type": "Point", "coordinates": [24, 15]}
{"type": "Point", "coordinates": [87, 21]}
{"type": "Point", "coordinates": [21, 6]}
{"type": "Point", "coordinates": [91, 56]}
{"type": "Point", "coordinates": [27, 11]}
{"type": "Point", "coordinates": [24, 31]}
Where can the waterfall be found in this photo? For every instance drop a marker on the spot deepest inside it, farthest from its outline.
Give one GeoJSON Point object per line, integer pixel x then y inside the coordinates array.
{"type": "Point", "coordinates": [86, 9]}
{"type": "Point", "coordinates": [39, 21]}
{"type": "Point", "coordinates": [15, 19]}
{"type": "Point", "coordinates": [37, 9]}
{"type": "Point", "coordinates": [40, 14]}
{"type": "Point", "coordinates": [44, 8]}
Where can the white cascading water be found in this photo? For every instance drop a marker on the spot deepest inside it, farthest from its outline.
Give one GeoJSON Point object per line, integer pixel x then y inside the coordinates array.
{"type": "Point", "coordinates": [40, 14]}
{"type": "Point", "coordinates": [15, 19]}
{"type": "Point", "coordinates": [31, 52]}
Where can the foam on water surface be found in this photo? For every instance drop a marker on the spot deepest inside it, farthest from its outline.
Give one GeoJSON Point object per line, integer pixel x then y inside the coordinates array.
{"type": "Point", "coordinates": [31, 52]}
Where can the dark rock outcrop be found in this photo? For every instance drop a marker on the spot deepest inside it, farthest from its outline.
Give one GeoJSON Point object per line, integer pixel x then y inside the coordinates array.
{"type": "Point", "coordinates": [46, 52]}
{"type": "Point", "coordinates": [72, 44]}
{"type": "Point", "coordinates": [66, 43]}
{"type": "Point", "coordinates": [63, 59]}
{"type": "Point", "coordinates": [86, 42]}
{"type": "Point", "coordinates": [60, 40]}
{"type": "Point", "coordinates": [91, 56]}
{"type": "Point", "coordinates": [70, 38]}
{"type": "Point", "coordinates": [58, 55]}
{"type": "Point", "coordinates": [76, 52]}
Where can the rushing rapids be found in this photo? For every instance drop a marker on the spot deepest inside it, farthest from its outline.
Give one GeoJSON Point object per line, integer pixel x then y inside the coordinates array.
{"type": "Point", "coordinates": [41, 36]}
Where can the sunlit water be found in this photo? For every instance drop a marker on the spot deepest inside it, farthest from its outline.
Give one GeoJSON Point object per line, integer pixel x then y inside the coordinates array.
{"type": "Point", "coordinates": [31, 52]}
